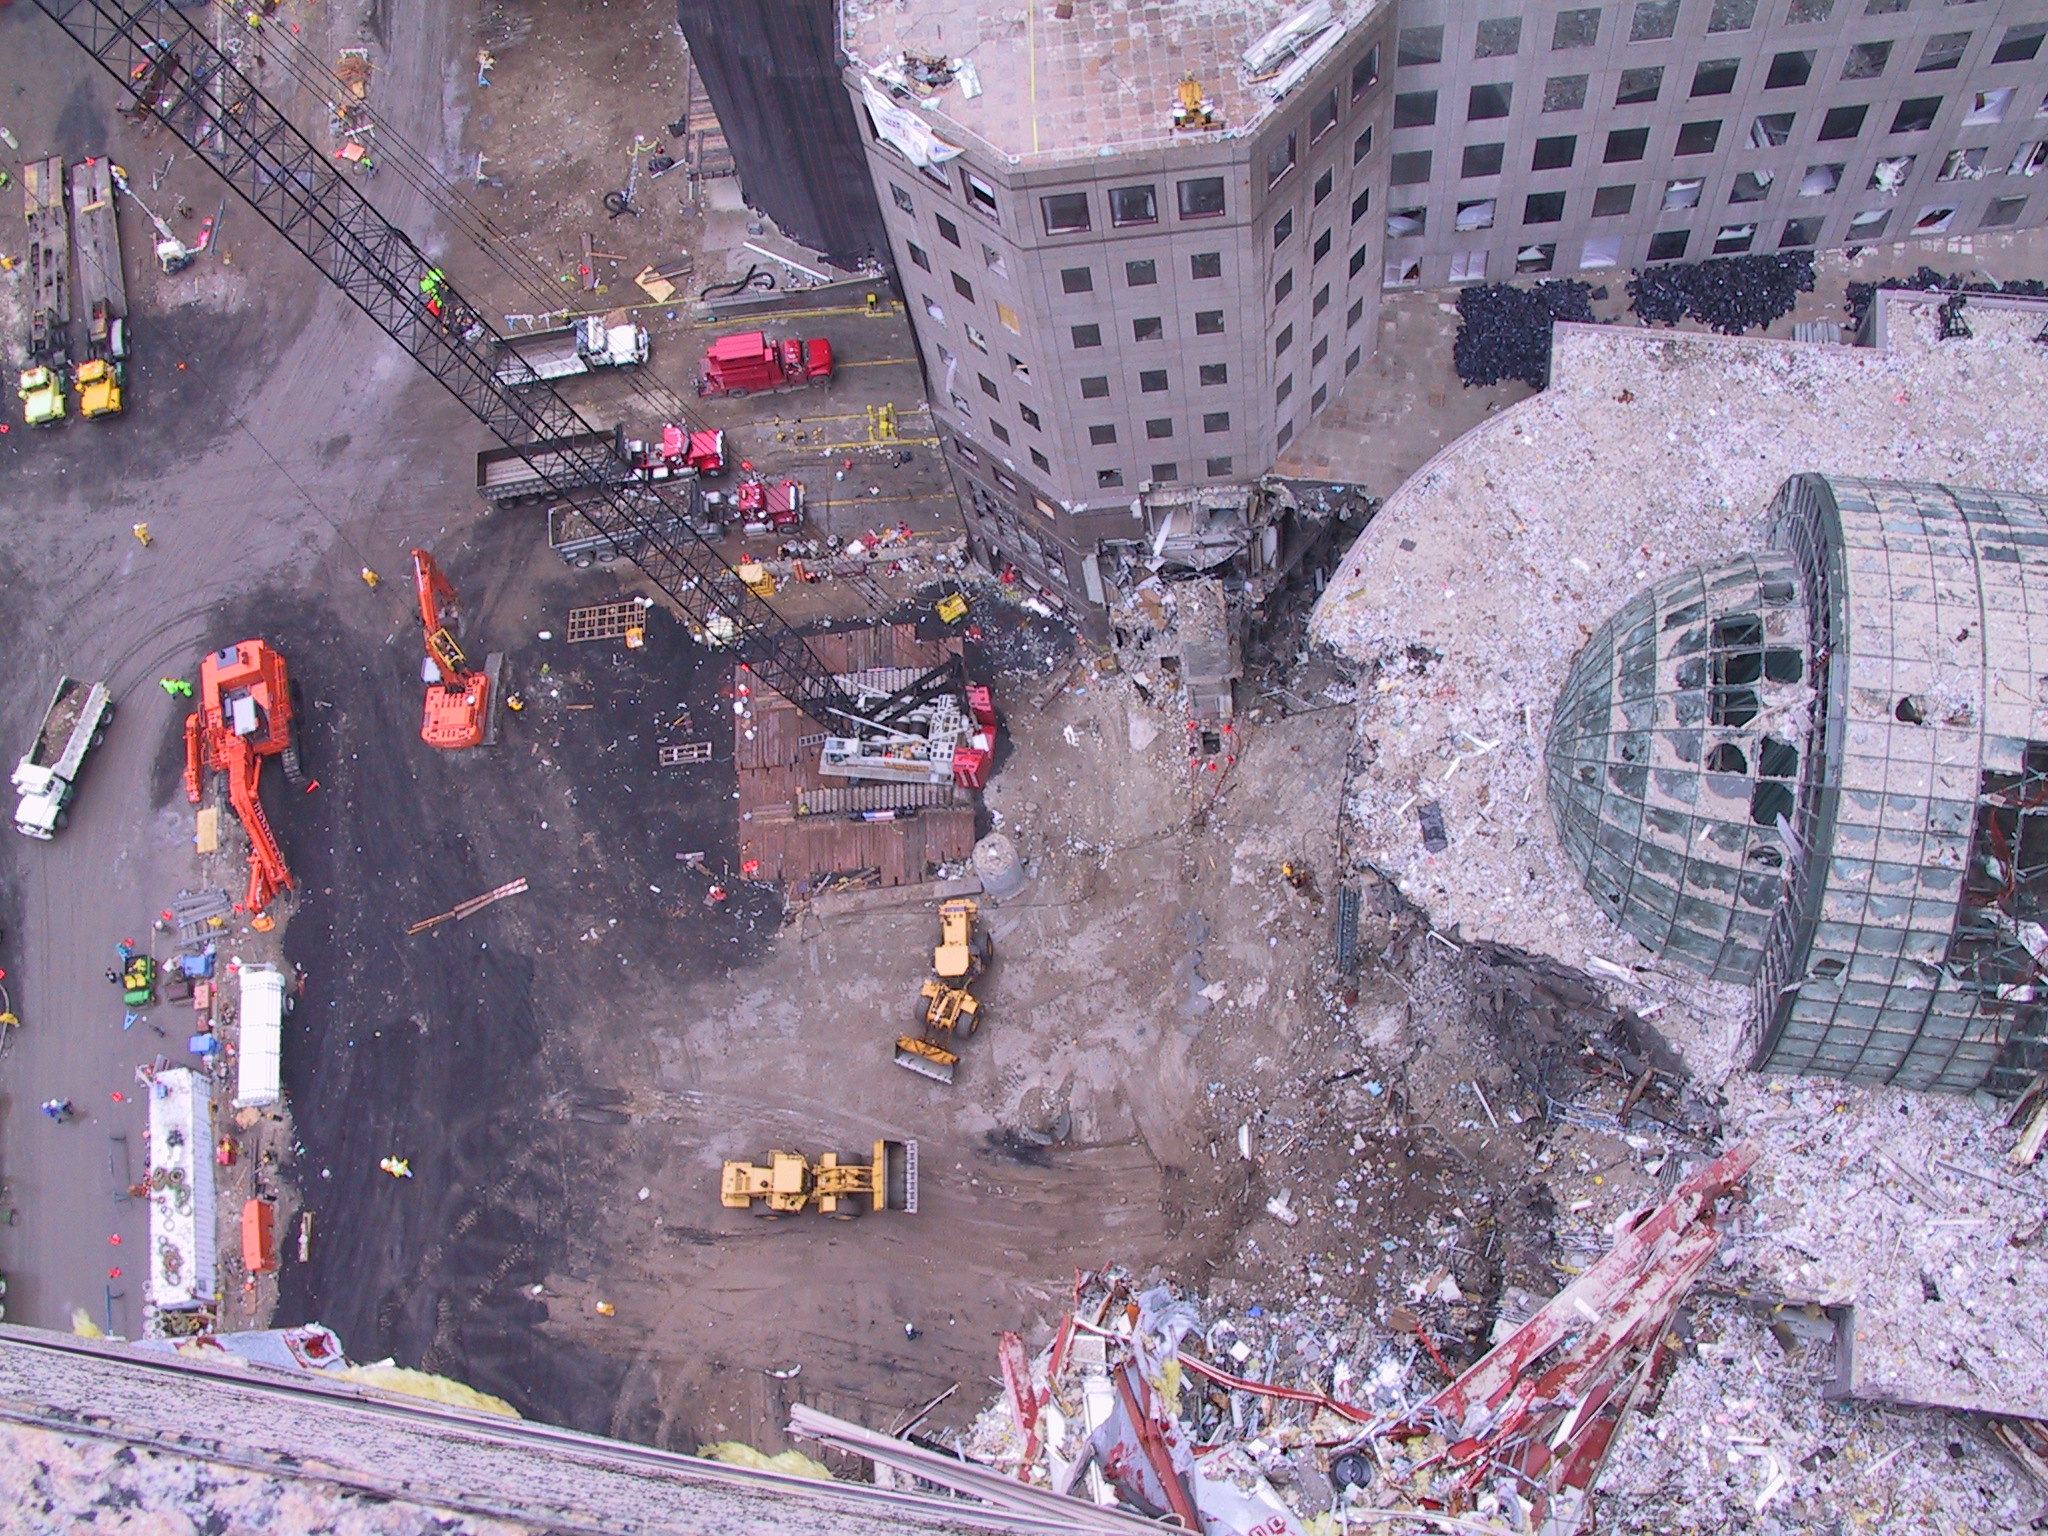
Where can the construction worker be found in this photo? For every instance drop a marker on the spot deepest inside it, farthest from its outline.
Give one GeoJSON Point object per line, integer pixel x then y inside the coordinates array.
{"type": "Point", "coordinates": [397, 1167]}
{"type": "Point", "coordinates": [141, 532]}
{"type": "Point", "coordinates": [58, 1110]}
{"type": "Point", "coordinates": [176, 687]}
{"type": "Point", "coordinates": [434, 283]}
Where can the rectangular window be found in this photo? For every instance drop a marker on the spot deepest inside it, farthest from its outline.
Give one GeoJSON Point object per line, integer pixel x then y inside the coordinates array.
{"type": "Point", "coordinates": [948, 230]}
{"type": "Point", "coordinates": [1669, 244]}
{"type": "Point", "coordinates": [1885, 7]}
{"type": "Point", "coordinates": [1963, 165]}
{"type": "Point", "coordinates": [1214, 373]}
{"type": "Point", "coordinates": [1283, 287]}
{"type": "Point", "coordinates": [1890, 174]}
{"type": "Point", "coordinates": [1087, 336]}
{"type": "Point", "coordinates": [1543, 208]}
{"type": "Point", "coordinates": [964, 450]}
{"type": "Point", "coordinates": [1108, 479]}
{"type": "Point", "coordinates": [1564, 93]}
{"type": "Point", "coordinates": [1734, 239]}
{"type": "Point", "coordinates": [1653, 20]}
{"type": "Point", "coordinates": [1361, 204]}
{"type": "Point", "coordinates": [1626, 144]}
{"type": "Point", "coordinates": [1407, 223]}
{"type": "Point", "coordinates": [1468, 266]}
{"type": "Point", "coordinates": [1805, 12]}
{"type": "Point", "coordinates": [1771, 129]}
{"type": "Point", "coordinates": [1282, 228]}
{"type": "Point", "coordinates": [1357, 261]}
{"type": "Point", "coordinates": [1077, 279]}
{"type": "Point", "coordinates": [1715, 77]}
{"type": "Point", "coordinates": [963, 287]}
{"type": "Point", "coordinates": [1165, 472]}
{"type": "Point", "coordinates": [1732, 16]}
{"type": "Point", "coordinates": [1484, 102]}
{"type": "Point", "coordinates": [1554, 154]}
{"type": "Point", "coordinates": [1284, 340]}
{"type": "Point", "coordinates": [1576, 29]}
{"type": "Point", "coordinates": [1095, 387]}
{"type": "Point", "coordinates": [1499, 39]}
{"type": "Point", "coordinates": [988, 386]}
{"type": "Point", "coordinates": [1613, 202]}
{"type": "Point", "coordinates": [1789, 70]}
{"type": "Point", "coordinates": [1102, 435]}
{"type": "Point", "coordinates": [1019, 369]}
{"type": "Point", "coordinates": [979, 340]}
{"type": "Point", "coordinates": [1800, 232]}
{"type": "Point", "coordinates": [1414, 109]}
{"type": "Point", "coordinates": [1474, 215]}
{"type": "Point", "coordinates": [1279, 160]}
{"type": "Point", "coordinates": [1321, 301]}
{"type": "Point", "coordinates": [1320, 249]}
{"type": "Point", "coordinates": [1041, 461]}
{"type": "Point", "coordinates": [2001, 212]}
{"type": "Point", "coordinates": [1417, 46]}
{"type": "Point", "coordinates": [1682, 193]}
{"type": "Point", "coordinates": [1285, 388]}
{"type": "Point", "coordinates": [1219, 466]}
{"type": "Point", "coordinates": [1866, 61]}
{"type": "Point", "coordinates": [1066, 213]}
{"type": "Point", "coordinates": [1362, 145]}
{"type": "Point", "coordinates": [1201, 198]}
{"type": "Point", "coordinates": [1482, 160]}
{"type": "Point", "coordinates": [1133, 205]}
{"type": "Point", "coordinates": [1365, 74]}
{"type": "Point", "coordinates": [1639, 85]}
{"type": "Point", "coordinates": [1988, 107]}
{"type": "Point", "coordinates": [1869, 225]}
{"type": "Point", "coordinates": [1843, 122]}
{"type": "Point", "coordinates": [1935, 220]}
{"type": "Point", "coordinates": [1031, 418]}
{"type": "Point", "coordinates": [1322, 116]}
{"type": "Point", "coordinates": [1149, 328]}
{"type": "Point", "coordinates": [1008, 317]}
{"type": "Point", "coordinates": [1205, 264]}
{"type": "Point", "coordinates": [1916, 115]}
{"type": "Point", "coordinates": [2019, 46]}
{"type": "Point", "coordinates": [1601, 251]}
{"type": "Point", "coordinates": [1751, 187]}
{"type": "Point", "coordinates": [1401, 272]}
{"type": "Point", "coordinates": [917, 254]}
{"type": "Point", "coordinates": [1001, 434]}
{"type": "Point", "coordinates": [1821, 180]}
{"type": "Point", "coordinates": [1324, 183]}
{"type": "Point", "coordinates": [980, 195]}
{"type": "Point", "coordinates": [1216, 421]}
{"type": "Point", "coordinates": [1410, 167]}
{"type": "Point", "coordinates": [1157, 427]}
{"type": "Point", "coordinates": [1208, 322]}
{"type": "Point", "coordinates": [1141, 274]}
{"type": "Point", "coordinates": [1698, 138]}
{"type": "Point", "coordinates": [993, 260]}
{"type": "Point", "coordinates": [1317, 400]}
{"type": "Point", "coordinates": [1352, 359]}
{"type": "Point", "coordinates": [902, 199]}
{"type": "Point", "coordinates": [1944, 50]}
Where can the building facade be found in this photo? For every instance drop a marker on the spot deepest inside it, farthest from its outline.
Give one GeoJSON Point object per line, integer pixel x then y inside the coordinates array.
{"type": "Point", "coordinates": [1108, 302]}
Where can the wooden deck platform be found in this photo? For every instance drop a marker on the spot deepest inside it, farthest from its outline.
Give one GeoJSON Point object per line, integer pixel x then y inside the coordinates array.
{"type": "Point", "coordinates": [794, 820]}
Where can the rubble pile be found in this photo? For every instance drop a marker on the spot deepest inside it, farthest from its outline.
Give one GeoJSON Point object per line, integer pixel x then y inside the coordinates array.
{"type": "Point", "coordinates": [1732, 294]}
{"type": "Point", "coordinates": [1861, 296]}
{"type": "Point", "coordinates": [1504, 331]}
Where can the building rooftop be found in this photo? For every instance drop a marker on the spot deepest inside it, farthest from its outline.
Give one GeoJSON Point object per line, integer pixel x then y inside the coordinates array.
{"type": "Point", "coordinates": [1102, 78]}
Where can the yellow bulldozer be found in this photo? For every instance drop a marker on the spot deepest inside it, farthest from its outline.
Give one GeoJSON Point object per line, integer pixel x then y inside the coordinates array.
{"type": "Point", "coordinates": [945, 1010]}
{"type": "Point", "coordinates": [789, 1183]}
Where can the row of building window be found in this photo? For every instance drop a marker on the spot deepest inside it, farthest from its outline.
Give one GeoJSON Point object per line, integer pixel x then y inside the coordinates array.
{"type": "Point", "coordinates": [1914, 115]}
{"type": "Point", "coordinates": [1656, 20]}
{"type": "Point", "coordinates": [1653, 21]}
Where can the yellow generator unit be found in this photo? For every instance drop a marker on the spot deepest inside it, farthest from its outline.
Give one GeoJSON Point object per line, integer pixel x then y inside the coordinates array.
{"type": "Point", "coordinates": [789, 1183]}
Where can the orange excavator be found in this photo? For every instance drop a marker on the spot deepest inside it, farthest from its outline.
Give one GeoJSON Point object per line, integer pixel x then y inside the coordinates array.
{"type": "Point", "coordinates": [458, 712]}
{"type": "Point", "coordinates": [245, 714]}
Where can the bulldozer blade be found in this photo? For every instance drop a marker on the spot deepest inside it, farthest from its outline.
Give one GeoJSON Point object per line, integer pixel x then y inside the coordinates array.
{"type": "Point", "coordinates": [925, 1060]}
{"type": "Point", "coordinates": [494, 705]}
{"type": "Point", "coordinates": [899, 1176]}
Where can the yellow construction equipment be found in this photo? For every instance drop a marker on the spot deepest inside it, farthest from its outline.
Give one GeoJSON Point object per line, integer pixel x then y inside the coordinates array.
{"type": "Point", "coordinates": [789, 1183]}
{"type": "Point", "coordinates": [945, 1009]}
{"type": "Point", "coordinates": [99, 388]}
{"type": "Point", "coordinates": [1192, 107]}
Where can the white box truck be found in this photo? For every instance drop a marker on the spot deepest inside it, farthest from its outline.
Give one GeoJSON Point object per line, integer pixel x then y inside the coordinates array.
{"type": "Point", "coordinates": [47, 775]}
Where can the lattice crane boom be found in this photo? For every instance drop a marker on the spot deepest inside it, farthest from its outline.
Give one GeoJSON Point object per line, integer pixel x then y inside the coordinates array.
{"type": "Point", "coordinates": [173, 70]}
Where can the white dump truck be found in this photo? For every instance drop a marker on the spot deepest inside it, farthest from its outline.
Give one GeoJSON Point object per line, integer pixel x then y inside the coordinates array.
{"type": "Point", "coordinates": [48, 773]}
{"type": "Point", "coordinates": [574, 349]}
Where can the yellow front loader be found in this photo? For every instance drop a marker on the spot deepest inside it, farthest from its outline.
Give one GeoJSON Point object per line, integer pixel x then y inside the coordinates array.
{"type": "Point", "coordinates": [789, 1183]}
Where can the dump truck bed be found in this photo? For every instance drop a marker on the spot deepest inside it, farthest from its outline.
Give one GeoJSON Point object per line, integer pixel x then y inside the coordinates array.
{"type": "Point", "coordinates": [563, 463]}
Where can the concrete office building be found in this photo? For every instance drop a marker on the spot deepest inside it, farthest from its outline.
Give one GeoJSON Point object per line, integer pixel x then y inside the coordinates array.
{"type": "Point", "coordinates": [1108, 302]}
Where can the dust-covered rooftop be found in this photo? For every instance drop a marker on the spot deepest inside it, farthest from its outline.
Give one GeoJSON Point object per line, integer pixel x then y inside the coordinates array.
{"type": "Point", "coordinates": [1061, 80]}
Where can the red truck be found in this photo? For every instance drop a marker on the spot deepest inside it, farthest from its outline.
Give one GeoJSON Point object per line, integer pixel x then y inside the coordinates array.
{"type": "Point", "coordinates": [679, 451]}
{"type": "Point", "coordinates": [765, 508]}
{"type": "Point", "coordinates": [750, 363]}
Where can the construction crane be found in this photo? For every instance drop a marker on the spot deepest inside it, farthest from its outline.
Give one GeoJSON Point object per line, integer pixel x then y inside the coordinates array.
{"type": "Point", "coordinates": [245, 714]}
{"type": "Point", "coordinates": [172, 254]}
{"type": "Point", "coordinates": [458, 712]}
{"type": "Point", "coordinates": [171, 68]}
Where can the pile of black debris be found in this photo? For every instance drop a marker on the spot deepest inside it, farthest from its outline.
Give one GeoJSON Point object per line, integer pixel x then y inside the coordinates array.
{"type": "Point", "coordinates": [1732, 294]}
{"type": "Point", "coordinates": [1862, 295]}
{"type": "Point", "coordinates": [1504, 331]}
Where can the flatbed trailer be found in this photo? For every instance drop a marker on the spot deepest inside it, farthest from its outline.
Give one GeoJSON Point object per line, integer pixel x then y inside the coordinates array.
{"type": "Point", "coordinates": [505, 475]}
{"type": "Point", "coordinates": [47, 775]}
{"type": "Point", "coordinates": [96, 235]}
{"type": "Point", "coordinates": [49, 261]}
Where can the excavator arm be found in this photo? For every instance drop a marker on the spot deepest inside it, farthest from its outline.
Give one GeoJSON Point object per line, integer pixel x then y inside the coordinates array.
{"type": "Point", "coordinates": [435, 588]}
{"type": "Point", "coordinates": [268, 875]}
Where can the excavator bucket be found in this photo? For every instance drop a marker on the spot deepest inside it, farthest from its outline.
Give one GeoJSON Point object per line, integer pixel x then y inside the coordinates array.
{"type": "Point", "coordinates": [926, 1059]}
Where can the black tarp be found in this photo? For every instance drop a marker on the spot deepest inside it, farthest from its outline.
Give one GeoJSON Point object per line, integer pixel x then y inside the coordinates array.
{"type": "Point", "coordinates": [771, 69]}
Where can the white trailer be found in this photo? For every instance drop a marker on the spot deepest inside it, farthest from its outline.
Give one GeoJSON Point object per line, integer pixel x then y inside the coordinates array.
{"type": "Point", "coordinates": [47, 775]}
{"type": "Point", "coordinates": [574, 349]}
